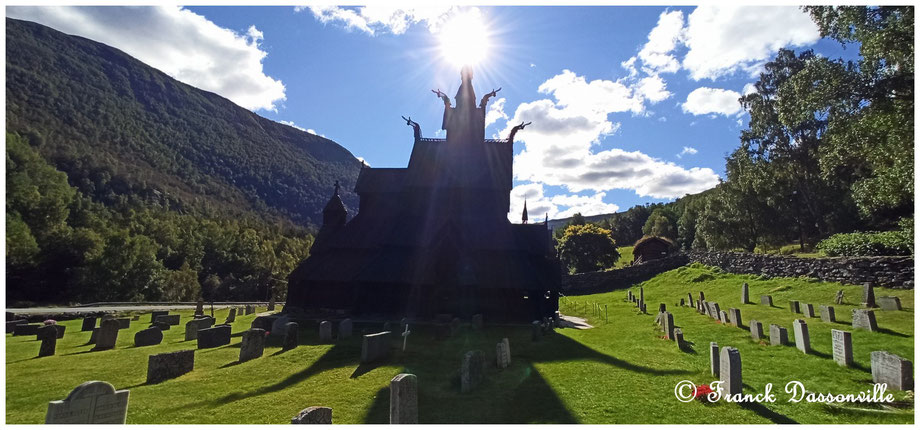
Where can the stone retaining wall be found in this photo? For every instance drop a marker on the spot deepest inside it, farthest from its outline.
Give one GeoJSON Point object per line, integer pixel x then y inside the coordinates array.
{"type": "Point", "coordinates": [592, 282]}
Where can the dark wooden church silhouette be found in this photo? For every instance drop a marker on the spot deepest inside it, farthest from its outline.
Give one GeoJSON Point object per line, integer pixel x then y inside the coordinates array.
{"type": "Point", "coordinates": [434, 238]}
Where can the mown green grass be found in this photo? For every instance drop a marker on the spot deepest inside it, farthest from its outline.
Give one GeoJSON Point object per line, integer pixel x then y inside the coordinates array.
{"type": "Point", "coordinates": [626, 257]}
{"type": "Point", "coordinates": [619, 372]}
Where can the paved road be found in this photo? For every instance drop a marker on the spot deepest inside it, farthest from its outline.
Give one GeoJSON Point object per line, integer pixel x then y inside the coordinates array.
{"type": "Point", "coordinates": [98, 308]}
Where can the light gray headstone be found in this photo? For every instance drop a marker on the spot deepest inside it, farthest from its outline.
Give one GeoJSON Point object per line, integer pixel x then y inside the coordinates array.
{"type": "Point", "coordinates": [279, 326]}
{"type": "Point", "coordinates": [714, 358]}
{"type": "Point", "coordinates": [723, 317]}
{"type": "Point", "coordinates": [375, 347]}
{"type": "Point", "coordinates": [730, 370]}
{"type": "Point", "coordinates": [734, 317]}
{"type": "Point", "coordinates": [471, 370]}
{"type": "Point", "coordinates": [827, 314]}
{"type": "Point", "coordinates": [802, 340]}
{"type": "Point", "coordinates": [668, 322]}
{"type": "Point", "coordinates": [161, 367]}
{"type": "Point", "coordinates": [843, 347]}
{"type": "Point", "coordinates": [346, 326]}
{"type": "Point", "coordinates": [107, 335]}
{"type": "Point", "coordinates": [865, 319]}
{"type": "Point", "coordinates": [503, 353]}
{"type": "Point", "coordinates": [314, 415]}
{"type": "Point", "coordinates": [838, 298]}
{"type": "Point", "coordinates": [93, 402]}
{"type": "Point", "coordinates": [716, 310]}
{"type": "Point", "coordinates": [404, 399]}
{"type": "Point", "coordinates": [893, 370]}
{"type": "Point", "coordinates": [192, 327]}
{"type": "Point", "coordinates": [778, 335]}
{"type": "Point", "coordinates": [868, 295]}
{"type": "Point", "coordinates": [795, 307]}
{"type": "Point", "coordinates": [809, 310]}
{"type": "Point", "coordinates": [253, 344]}
{"type": "Point", "coordinates": [766, 300]}
{"type": "Point", "coordinates": [756, 330]}
{"type": "Point", "coordinates": [889, 303]}
{"type": "Point", "coordinates": [745, 293]}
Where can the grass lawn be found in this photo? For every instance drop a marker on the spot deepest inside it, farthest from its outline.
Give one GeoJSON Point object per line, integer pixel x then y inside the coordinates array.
{"type": "Point", "coordinates": [626, 257]}
{"type": "Point", "coordinates": [619, 372]}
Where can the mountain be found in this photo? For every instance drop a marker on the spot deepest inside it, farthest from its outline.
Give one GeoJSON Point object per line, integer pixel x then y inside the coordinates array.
{"type": "Point", "coordinates": [122, 130]}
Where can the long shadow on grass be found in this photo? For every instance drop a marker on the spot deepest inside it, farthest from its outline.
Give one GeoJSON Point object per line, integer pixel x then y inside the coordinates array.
{"type": "Point", "coordinates": [765, 412]}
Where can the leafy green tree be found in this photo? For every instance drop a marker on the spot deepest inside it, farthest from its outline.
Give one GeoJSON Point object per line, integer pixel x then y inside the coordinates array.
{"type": "Point", "coordinates": [659, 225]}
{"type": "Point", "coordinates": [587, 247]}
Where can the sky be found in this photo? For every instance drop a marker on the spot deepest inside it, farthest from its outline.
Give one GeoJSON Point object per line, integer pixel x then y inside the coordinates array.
{"type": "Point", "coordinates": [628, 104]}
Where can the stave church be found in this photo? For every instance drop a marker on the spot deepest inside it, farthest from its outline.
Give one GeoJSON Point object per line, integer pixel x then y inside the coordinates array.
{"type": "Point", "coordinates": [434, 237]}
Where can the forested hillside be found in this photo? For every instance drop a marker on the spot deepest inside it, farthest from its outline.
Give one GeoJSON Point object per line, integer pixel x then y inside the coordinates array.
{"type": "Point", "coordinates": [125, 184]}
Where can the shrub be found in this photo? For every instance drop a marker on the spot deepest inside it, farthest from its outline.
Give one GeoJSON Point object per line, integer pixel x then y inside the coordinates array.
{"type": "Point", "coordinates": [899, 242]}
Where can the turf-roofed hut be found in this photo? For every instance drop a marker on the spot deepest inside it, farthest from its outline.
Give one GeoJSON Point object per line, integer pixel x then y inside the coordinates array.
{"type": "Point", "coordinates": [434, 237]}
{"type": "Point", "coordinates": [651, 248]}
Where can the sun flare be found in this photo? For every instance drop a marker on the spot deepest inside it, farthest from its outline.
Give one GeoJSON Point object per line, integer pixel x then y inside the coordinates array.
{"type": "Point", "coordinates": [464, 39]}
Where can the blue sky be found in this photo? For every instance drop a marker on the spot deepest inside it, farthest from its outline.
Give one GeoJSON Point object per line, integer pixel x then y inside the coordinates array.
{"type": "Point", "coordinates": [629, 104]}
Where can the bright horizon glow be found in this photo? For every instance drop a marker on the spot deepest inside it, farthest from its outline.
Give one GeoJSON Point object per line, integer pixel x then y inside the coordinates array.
{"type": "Point", "coordinates": [464, 39]}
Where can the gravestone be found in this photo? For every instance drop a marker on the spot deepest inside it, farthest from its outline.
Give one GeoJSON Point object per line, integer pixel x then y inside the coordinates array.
{"type": "Point", "coordinates": [734, 317]}
{"type": "Point", "coordinates": [214, 337]}
{"type": "Point", "coordinates": [843, 347]}
{"type": "Point", "coordinates": [11, 325]}
{"type": "Point", "coordinates": [92, 336]}
{"type": "Point", "coordinates": [535, 331]}
{"type": "Point", "coordinates": [827, 314]}
{"type": "Point", "coordinates": [838, 299]}
{"type": "Point", "coordinates": [290, 336]}
{"type": "Point", "coordinates": [766, 300]}
{"type": "Point", "coordinates": [477, 322]}
{"type": "Point", "coordinates": [668, 322]}
{"type": "Point", "coordinates": [557, 319]}
{"type": "Point", "coordinates": [403, 323]}
{"type": "Point", "coordinates": [454, 327]}
{"type": "Point", "coordinates": [159, 324]}
{"type": "Point", "coordinates": [642, 307]}
{"type": "Point", "coordinates": [730, 370]}
{"type": "Point", "coordinates": [192, 327]}
{"type": "Point", "coordinates": [314, 415]}
{"type": "Point", "coordinates": [168, 319]}
{"type": "Point", "coordinates": [690, 300]}
{"type": "Point", "coordinates": [868, 296]}
{"type": "Point", "coordinates": [802, 339]}
{"type": "Point", "coordinates": [404, 399]}
{"type": "Point", "coordinates": [161, 367]}
{"type": "Point", "coordinates": [778, 335]}
{"type": "Point", "coordinates": [503, 353]}
{"type": "Point", "coordinates": [714, 358]}
{"type": "Point", "coordinates": [155, 314]}
{"type": "Point", "coordinates": [375, 347]}
{"type": "Point", "coordinates": [279, 325]}
{"type": "Point", "coordinates": [48, 336]}
{"type": "Point", "coordinates": [681, 302]}
{"type": "Point", "coordinates": [893, 370]}
{"type": "Point", "coordinates": [123, 323]}
{"type": "Point", "coordinates": [325, 331]}
{"type": "Point", "coordinates": [93, 402]}
{"type": "Point", "coordinates": [250, 309]}
{"type": "Point", "coordinates": [679, 337]}
{"type": "Point", "coordinates": [148, 336]}
{"type": "Point", "coordinates": [252, 345]}
{"type": "Point", "coordinates": [662, 307]}
{"type": "Point", "coordinates": [199, 308]}
{"type": "Point", "coordinates": [702, 296]}
{"type": "Point", "coordinates": [263, 322]}
{"type": "Point", "coordinates": [794, 307]}
{"type": "Point", "coordinates": [756, 330]}
{"type": "Point", "coordinates": [641, 295]}
{"type": "Point", "coordinates": [889, 303]}
{"type": "Point", "coordinates": [89, 323]}
{"type": "Point", "coordinates": [136, 318]}
{"type": "Point", "coordinates": [745, 293]}
{"type": "Point", "coordinates": [10, 316]}
{"type": "Point", "coordinates": [271, 304]}
{"type": "Point", "coordinates": [231, 317]}
{"type": "Point", "coordinates": [60, 330]}
{"type": "Point", "coordinates": [809, 310]}
{"type": "Point", "coordinates": [471, 370]}
{"type": "Point", "coordinates": [701, 306]}
{"type": "Point", "coordinates": [723, 317]}
{"type": "Point", "coordinates": [26, 329]}
{"type": "Point", "coordinates": [107, 336]}
{"type": "Point", "coordinates": [864, 318]}
{"type": "Point", "coordinates": [346, 327]}
{"type": "Point", "coordinates": [714, 310]}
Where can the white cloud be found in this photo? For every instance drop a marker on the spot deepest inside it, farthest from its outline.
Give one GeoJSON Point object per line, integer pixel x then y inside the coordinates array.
{"type": "Point", "coordinates": [703, 100]}
{"type": "Point", "coordinates": [496, 112]}
{"type": "Point", "coordinates": [375, 18]}
{"type": "Point", "coordinates": [726, 39]}
{"type": "Point", "coordinates": [687, 150]}
{"type": "Point", "coordinates": [180, 43]}
{"type": "Point", "coordinates": [656, 54]}
{"type": "Point", "coordinates": [653, 89]}
{"type": "Point", "coordinates": [539, 206]}
{"type": "Point", "coordinates": [558, 146]}
{"type": "Point", "coordinates": [748, 89]}
{"type": "Point", "coordinates": [291, 123]}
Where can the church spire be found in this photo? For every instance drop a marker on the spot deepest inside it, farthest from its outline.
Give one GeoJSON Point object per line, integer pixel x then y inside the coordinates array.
{"type": "Point", "coordinates": [334, 213]}
{"type": "Point", "coordinates": [524, 214]}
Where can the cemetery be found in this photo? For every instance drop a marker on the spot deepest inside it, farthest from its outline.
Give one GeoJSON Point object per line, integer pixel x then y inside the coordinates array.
{"type": "Point", "coordinates": [623, 370]}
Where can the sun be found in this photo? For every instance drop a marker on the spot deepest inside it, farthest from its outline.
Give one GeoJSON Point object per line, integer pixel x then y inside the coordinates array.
{"type": "Point", "coordinates": [464, 38]}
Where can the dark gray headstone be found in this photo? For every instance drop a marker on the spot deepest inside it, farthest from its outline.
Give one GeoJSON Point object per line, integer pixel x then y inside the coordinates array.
{"type": "Point", "coordinates": [843, 347]}
{"type": "Point", "coordinates": [148, 336]}
{"type": "Point", "coordinates": [93, 402]}
{"type": "Point", "coordinates": [730, 370]}
{"type": "Point", "coordinates": [263, 322]}
{"type": "Point", "coordinates": [802, 339]}
{"type": "Point", "coordinates": [168, 319]}
{"type": "Point", "coordinates": [26, 329]}
{"type": "Point", "coordinates": [89, 323]}
{"type": "Point", "coordinates": [252, 345]}
{"type": "Point", "coordinates": [155, 314]}
{"type": "Point", "coordinates": [766, 300]}
{"type": "Point", "coordinates": [679, 337]}
{"type": "Point", "coordinates": [662, 307]}
{"type": "Point", "coordinates": [231, 317]}
{"type": "Point", "coordinates": [472, 368]}
{"type": "Point", "coordinates": [536, 332]}
{"type": "Point", "coordinates": [865, 319]}
{"type": "Point", "coordinates": [503, 354]}
{"type": "Point", "coordinates": [161, 367]}
{"type": "Point", "coordinates": [756, 330]}
{"type": "Point", "coordinates": [477, 322]}
{"type": "Point", "coordinates": [271, 304]}
{"type": "Point", "coordinates": [60, 330]}
{"type": "Point", "coordinates": [723, 317]}
{"type": "Point", "coordinates": [404, 399]}
{"type": "Point", "coordinates": [214, 336]}
{"type": "Point", "coordinates": [734, 317]}
{"type": "Point", "coordinates": [690, 300]}
{"type": "Point", "coordinates": [194, 326]}
{"type": "Point", "coordinates": [11, 325]}
{"type": "Point", "coordinates": [827, 314]}
{"type": "Point", "coordinates": [325, 331]}
{"type": "Point", "coordinates": [346, 327]}
{"type": "Point", "coordinates": [778, 335]}
{"type": "Point", "coordinates": [92, 336]}
{"type": "Point", "coordinates": [199, 308]}
{"type": "Point", "coordinates": [702, 296]}
{"type": "Point", "coordinates": [123, 323]}
{"type": "Point", "coordinates": [107, 335]}
{"type": "Point", "coordinates": [48, 336]}
{"type": "Point", "coordinates": [745, 293]}
{"type": "Point", "coordinates": [809, 310]}
{"type": "Point", "coordinates": [868, 295]}
{"type": "Point", "coordinates": [279, 325]}
{"type": "Point", "coordinates": [375, 347]}
{"type": "Point", "coordinates": [668, 322]}
{"type": "Point", "coordinates": [889, 303]}
{"type": "Point", "coordinates": [314, 415]}
{"type": "Point", "coordinates": [893, 370]}
{"type": "Point", "coordinates": [795, 307]}
{"type": "Point", "coordinates": [290, 336]}
{"type": "Point", "coordinates": [714, 358]}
